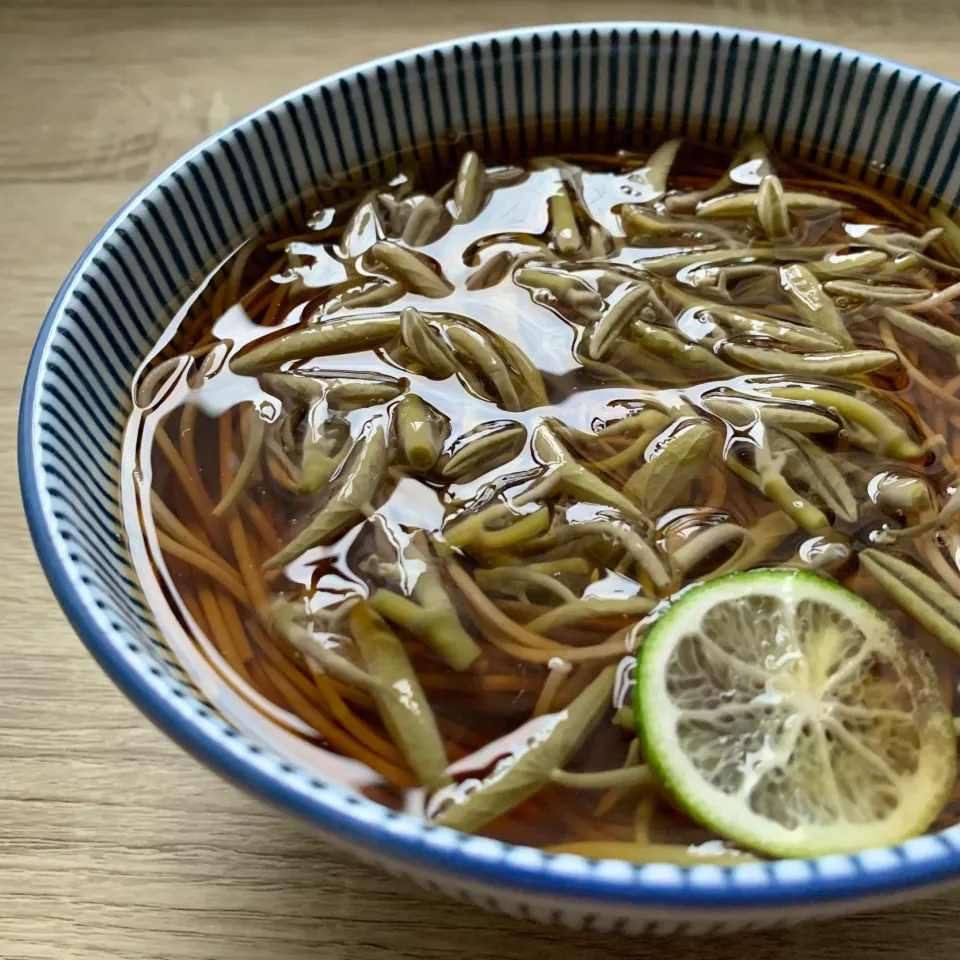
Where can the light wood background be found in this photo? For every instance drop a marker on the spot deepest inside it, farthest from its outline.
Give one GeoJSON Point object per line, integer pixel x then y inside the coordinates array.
{"type": "Point", "coordinates": [113, 843]}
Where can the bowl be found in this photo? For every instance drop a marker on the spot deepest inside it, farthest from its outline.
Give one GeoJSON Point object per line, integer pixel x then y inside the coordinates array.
{"type": "Point", "coordinates": [879, 121]}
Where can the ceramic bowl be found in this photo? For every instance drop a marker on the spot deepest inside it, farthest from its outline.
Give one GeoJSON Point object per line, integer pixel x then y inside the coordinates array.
{"type": "Point", "coordinates": [608, 84]}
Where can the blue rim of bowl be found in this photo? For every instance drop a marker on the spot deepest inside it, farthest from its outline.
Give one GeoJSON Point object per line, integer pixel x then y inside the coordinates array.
{"type": "Point", "coordinates": [808, 885]}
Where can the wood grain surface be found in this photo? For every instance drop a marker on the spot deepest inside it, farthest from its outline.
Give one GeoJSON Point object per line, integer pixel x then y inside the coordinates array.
{"type": "Point", "coordinates": [113, 843]}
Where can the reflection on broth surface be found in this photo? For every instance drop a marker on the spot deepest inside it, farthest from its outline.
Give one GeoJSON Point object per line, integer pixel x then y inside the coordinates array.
{"type": "Point", "coordinates": [405, 486]}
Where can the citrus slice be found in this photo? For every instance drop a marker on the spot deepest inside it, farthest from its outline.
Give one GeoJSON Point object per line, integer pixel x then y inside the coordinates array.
{"type": "Point", "coordinates": [790, 717]}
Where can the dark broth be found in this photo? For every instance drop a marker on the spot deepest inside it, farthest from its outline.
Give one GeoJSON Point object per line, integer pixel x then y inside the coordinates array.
{"type": "Point", "coordinates": [218, 625]}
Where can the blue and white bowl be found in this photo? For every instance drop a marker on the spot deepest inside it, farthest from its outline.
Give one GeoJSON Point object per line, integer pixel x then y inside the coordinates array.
{"type": "Point", "coordinates": [608, 84]}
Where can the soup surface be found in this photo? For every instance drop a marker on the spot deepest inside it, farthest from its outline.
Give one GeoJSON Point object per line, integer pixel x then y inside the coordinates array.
{"type": "Point", "coordinates": [407, 487]}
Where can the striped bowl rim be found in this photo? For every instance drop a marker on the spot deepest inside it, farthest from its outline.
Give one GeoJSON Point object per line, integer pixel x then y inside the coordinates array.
{"type": "Point", "coordinates": [874, 875]}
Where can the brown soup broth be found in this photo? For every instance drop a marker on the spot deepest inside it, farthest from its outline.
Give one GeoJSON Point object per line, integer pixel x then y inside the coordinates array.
{"type": "Point", "coordinates": [195, 419]}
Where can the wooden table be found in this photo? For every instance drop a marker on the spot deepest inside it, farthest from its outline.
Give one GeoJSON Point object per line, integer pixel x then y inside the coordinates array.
{"type": "Point", "coordinates": [113, 843]}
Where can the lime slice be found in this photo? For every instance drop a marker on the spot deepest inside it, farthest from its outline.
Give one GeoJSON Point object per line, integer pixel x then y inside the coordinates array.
{"type": "Point", "coordinates": [790, 717]}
